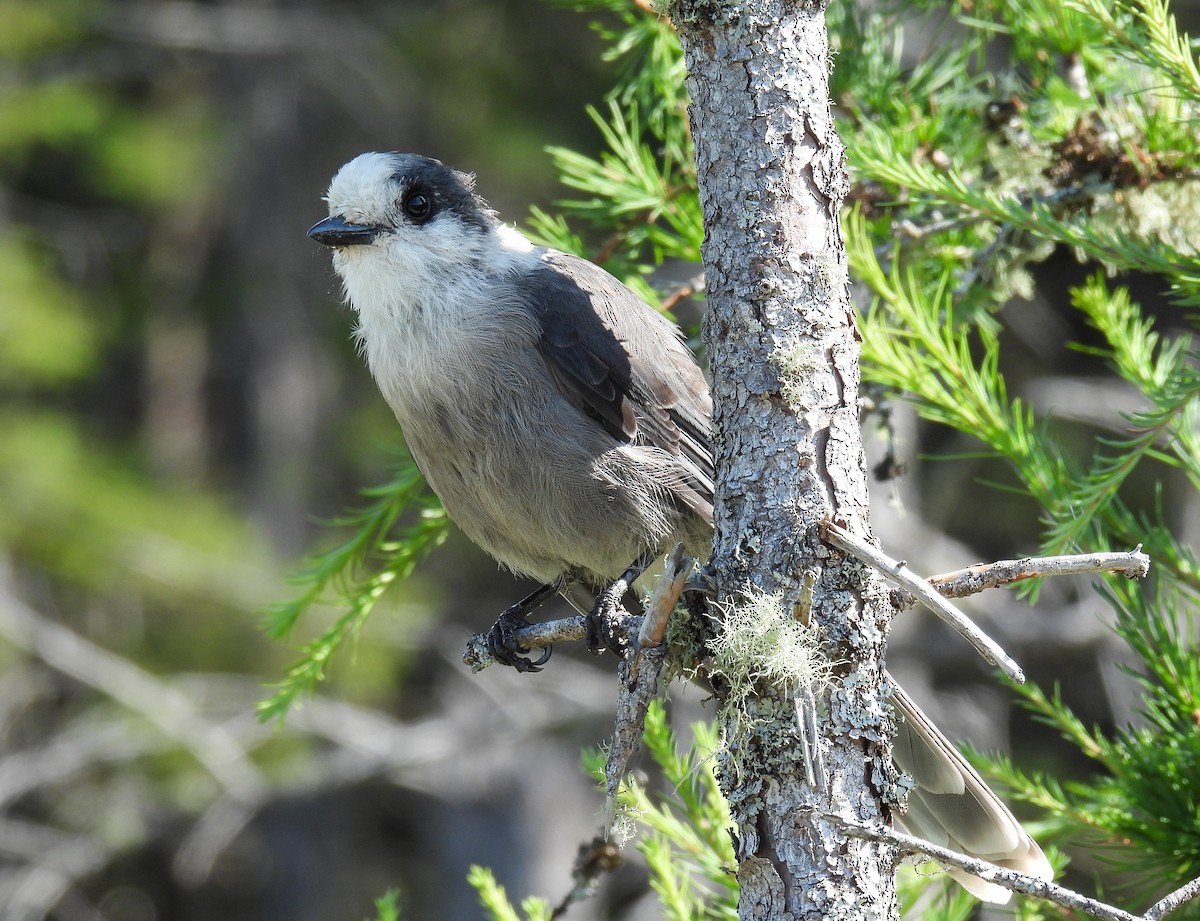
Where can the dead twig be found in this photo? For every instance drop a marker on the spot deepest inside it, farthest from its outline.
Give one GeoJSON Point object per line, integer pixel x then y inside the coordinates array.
{"type": "Point", "coordinates": [534, 636]}
{"type": "Point", "coordinates": [566, 629]}
{"type": "Point", "coordinates": [898, 571]}
{"type": "Point", "coordinates": [1173, 900]}
{"type": "Point", "coordinates": [638, 678]}
{"type": "Point", "coordinates": [637, 675]}
{"type": "Point", "coordinates": [963, 582]}
{"type": "Point", "coordinates": [1001, 876]}
{"type": "Point", "coordinates": [683, 292]}
{"type": "Point", "coordinates": [595, 859]}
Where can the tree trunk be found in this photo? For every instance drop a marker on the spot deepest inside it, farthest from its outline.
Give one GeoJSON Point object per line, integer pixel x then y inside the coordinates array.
{"type": "Point", "coordinates": [783, 354]}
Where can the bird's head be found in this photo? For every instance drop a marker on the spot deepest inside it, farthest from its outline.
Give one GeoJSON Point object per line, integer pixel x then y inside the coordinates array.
{"type": "Point", "coordinates": [401, 221]}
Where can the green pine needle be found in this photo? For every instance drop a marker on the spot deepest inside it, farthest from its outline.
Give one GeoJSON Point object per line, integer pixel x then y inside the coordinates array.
{"type": "Point", "coordinates": [354, 575]}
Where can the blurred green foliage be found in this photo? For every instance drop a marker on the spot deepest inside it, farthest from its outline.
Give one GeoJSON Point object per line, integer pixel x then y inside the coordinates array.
{"type": "Point", "coordinates": [149, 267]}
{"type": "Point", "coordinates": [47, 337]}
{"type": "Point", "coordinates": [179, 393]}
{"type": "Point", "coordinates": [82, 512]}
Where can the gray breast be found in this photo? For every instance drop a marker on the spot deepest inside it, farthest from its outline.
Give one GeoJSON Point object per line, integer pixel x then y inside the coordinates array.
{"type": "Point", "coordinates": [531, 479]}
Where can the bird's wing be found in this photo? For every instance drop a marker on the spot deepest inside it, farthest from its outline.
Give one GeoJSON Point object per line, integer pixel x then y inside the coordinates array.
{"type": "Point", "coordinates": [625, 365]}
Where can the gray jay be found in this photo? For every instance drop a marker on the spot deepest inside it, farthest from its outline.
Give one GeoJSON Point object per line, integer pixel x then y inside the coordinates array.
{"type": "Point", "coordinates": [564, 424]}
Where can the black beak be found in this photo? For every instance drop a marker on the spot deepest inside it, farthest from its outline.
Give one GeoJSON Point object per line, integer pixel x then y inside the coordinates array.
{"type": "Point", "coordinates": [336, 231]}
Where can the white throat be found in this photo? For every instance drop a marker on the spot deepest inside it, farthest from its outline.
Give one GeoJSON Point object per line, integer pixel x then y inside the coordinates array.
{"type": "Point", "coordinates": [426, 304]}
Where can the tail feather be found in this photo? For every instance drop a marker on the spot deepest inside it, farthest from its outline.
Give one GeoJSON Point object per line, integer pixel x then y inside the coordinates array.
{"type": "Point", "coordinates": [951, 805]}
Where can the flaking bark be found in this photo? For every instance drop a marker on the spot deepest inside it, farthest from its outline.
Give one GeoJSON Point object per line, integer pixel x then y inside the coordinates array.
{"type": "Point", "coordinates": [783, 355]}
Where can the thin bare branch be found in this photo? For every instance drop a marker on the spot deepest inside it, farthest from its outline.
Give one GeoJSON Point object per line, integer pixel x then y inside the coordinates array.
{"type": "Point", "coordinates": [898, 571]}
{"type": "Point", "coordinates": [1174, 900]}
{"type": "Point", "coordinates": [963, 582]}
{"type": "Point", "coordinates": [567, 629]}
{"type": "Point", "coordinates": [534, 636]}
{"type": "Point", "coordinates": [596, 859]}
{"type": "Point", "coordinates": [164, 706]}
{"type": "Point", "coordinates": [1001, 876]}
{"type": "Point", "coordinates": [639, 677]}
{"type": "Point", "coordinates": [663, 599]}
{"type": "Point", "coordinates": [683, 292]}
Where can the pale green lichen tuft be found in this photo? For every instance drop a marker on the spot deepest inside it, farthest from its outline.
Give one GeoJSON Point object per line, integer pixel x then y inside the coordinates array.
{"type": "Point", "coordinates": [796, 361]}
{"type": "Point", "coordinates": [759, 642]}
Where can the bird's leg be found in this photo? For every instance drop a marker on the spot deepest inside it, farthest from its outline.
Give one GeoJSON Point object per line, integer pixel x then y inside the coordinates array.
{"type": "Point", "coordinates": [502, 640]}
{"type": "Point", "coordinates": [607, 613]}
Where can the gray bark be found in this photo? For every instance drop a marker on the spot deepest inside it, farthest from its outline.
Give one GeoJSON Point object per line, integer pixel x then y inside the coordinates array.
{"type": "Point", "coordinates": [783, 353]}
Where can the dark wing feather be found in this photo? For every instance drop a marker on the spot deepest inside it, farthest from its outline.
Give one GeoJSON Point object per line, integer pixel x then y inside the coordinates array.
{"type": "Point", "coordinates": [625, 365]}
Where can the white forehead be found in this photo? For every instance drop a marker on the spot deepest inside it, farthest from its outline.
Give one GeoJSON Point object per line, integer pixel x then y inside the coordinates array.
{"type": "Point", "coordinates": [364, 186]}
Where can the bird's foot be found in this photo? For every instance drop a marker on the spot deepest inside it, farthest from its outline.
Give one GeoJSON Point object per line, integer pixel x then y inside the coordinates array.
{"type": "Point", "coordinates": [604, 624]}
{"type": "Point", "coordinates": [607, 624]}
{"type": "Point", "coordinates": [502, 641]}
{"type": "Point", "coordinates": [702, 583]}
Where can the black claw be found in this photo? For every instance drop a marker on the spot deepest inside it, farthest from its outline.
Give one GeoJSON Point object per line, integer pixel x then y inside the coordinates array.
{"type": "Point", "coordinates": [703, 582]}
{"type": "Point", "coordinates": [504, 646]}
{"type": "Point", "coordinates": [502, 641]}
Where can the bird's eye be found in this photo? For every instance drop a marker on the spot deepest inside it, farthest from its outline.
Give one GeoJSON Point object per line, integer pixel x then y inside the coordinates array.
{"type": "Point", "coordinates": [418, 206]}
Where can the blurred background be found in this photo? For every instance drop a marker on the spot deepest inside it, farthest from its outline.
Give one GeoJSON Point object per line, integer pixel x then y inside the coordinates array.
{"type": "Point", "coordinates": [180, 407]}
